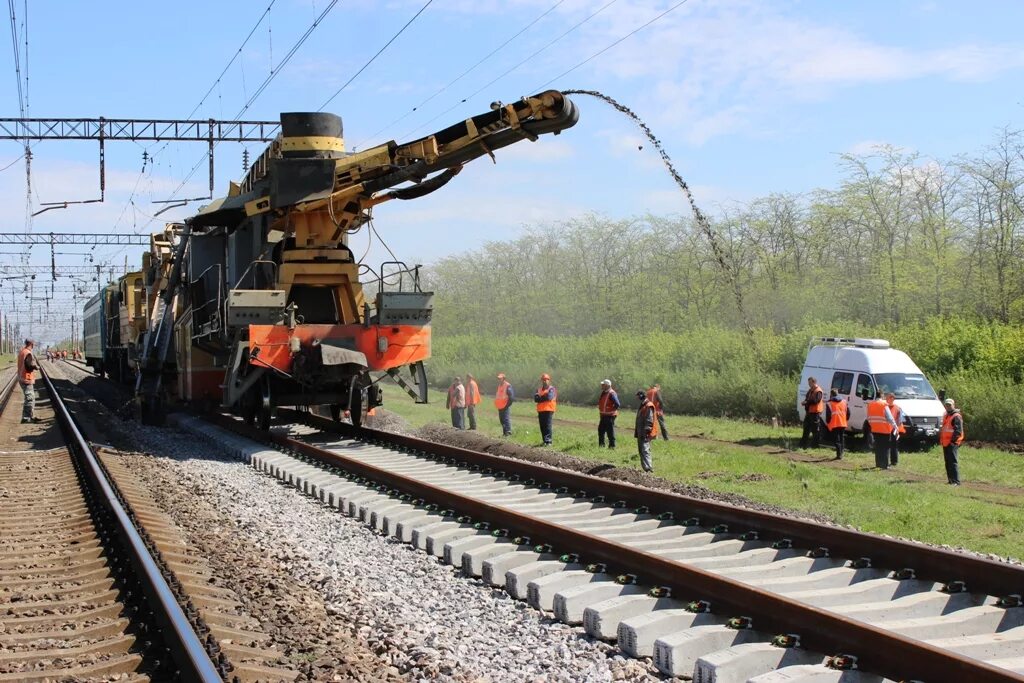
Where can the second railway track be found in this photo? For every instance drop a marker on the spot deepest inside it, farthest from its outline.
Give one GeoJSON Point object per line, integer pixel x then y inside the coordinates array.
{"type": "Point", "coordinates": [97, 583]}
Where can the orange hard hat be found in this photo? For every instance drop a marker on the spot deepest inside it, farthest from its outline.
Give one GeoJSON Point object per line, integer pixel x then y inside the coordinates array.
{"type": "Point", "coordinates": [546, 376]}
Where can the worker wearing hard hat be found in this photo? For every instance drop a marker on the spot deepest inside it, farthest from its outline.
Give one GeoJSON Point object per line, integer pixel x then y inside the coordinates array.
{"type": "Point", "coordinates": [27, 367]}
{"type": "Point", "coordinates": [503, 398]}
{"type": "Point", "coordinates": [546, 399]}
{"type": "Point", "coordinates": [646, 429]}
{"type": "Point", "coordinates": [608, 409]}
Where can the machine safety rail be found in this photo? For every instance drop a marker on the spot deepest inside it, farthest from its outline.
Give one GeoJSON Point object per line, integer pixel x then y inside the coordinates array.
{"type": "Point", "coordinates": [190, 654]}
{"type": "Point", "coordinates": [877, 650]}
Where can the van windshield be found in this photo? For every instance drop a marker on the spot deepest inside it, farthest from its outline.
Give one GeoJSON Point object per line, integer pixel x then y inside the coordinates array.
{"type": "Point", "coordinates": [904, 385]}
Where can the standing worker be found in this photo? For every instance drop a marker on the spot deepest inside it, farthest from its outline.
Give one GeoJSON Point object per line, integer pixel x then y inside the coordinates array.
{"type": "Point", "coordinates": [472, 399]}
{"type": "Point", "coordinates": [503, 398]}
{"type": "Point", "coordinates": [950, 437]}
{"type": "Point", "coordinates": [897, 414]}
{"type": "Point", "coordinates": [883, 430]}
{"type": "Point", "coordinates": [837, 417]}
{"type": "Point", "coordinates": [814, 405]}
{"type": "Point", "coordinates": [654, 394]}
{"type": "Point", "coordinates": [457, 403]}
{"type": "Point", "coordinates": [546, 399]}
{"type": "Point", "coordinates": [27, 377]}
{"type": "Point", "coordinates": [608, 408]}
{"type": "Point", "coordinates": [645, 430]}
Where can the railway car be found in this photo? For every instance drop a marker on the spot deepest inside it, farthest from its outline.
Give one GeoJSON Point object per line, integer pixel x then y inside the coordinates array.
{"type": "Point", "coordinates": [99, 333]}
{"type": "Point", "coordinates": [260, 302]}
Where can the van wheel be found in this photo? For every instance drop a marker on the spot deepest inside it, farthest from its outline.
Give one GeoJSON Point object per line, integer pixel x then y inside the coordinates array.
{"type": "Point", "coordinates": [869, 438]}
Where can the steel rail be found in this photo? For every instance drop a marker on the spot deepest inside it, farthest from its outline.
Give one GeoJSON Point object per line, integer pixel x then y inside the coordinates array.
{"type": "Point", "coordinates": [928, 563]}
{"type": "Point", "coordinates": [877, 650]}
{"type": "Point", "coordinates": [187, 649]}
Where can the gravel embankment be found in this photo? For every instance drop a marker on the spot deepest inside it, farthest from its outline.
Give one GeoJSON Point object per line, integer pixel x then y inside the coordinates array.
{"type": "Point", "coordinates": [339, 599]}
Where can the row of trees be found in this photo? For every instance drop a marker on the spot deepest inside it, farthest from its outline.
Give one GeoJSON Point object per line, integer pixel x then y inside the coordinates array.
{"type": "Point", "coordinates": [902, 238]}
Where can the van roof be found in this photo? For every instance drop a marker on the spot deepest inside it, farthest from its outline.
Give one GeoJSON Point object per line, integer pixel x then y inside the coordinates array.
{"type": "Point", "coordinates": [870, 360]}
{"type": "Point", "coordinates": [857, 342]}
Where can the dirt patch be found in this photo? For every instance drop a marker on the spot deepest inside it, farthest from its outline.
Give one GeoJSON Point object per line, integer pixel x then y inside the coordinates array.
{"type": "Point", "coordinates": [439, 433]}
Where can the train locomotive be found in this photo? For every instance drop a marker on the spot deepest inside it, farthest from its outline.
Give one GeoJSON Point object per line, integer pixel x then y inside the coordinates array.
{"type": "Point", "coordinates": [257, 301]}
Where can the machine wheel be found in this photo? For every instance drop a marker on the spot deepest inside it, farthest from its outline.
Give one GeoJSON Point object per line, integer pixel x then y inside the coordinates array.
{"type": "Point", "coordinates": [356, 408]}
{"type": "Point", "coordinates": [869, 438]}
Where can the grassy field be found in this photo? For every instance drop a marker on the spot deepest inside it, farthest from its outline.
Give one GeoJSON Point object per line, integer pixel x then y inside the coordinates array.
{"type": "Point", "coordinates": [912, 501]}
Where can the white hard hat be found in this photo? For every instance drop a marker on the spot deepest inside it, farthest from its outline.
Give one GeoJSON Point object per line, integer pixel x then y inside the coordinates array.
{"type": "Point", "coordinates": [606, 381]}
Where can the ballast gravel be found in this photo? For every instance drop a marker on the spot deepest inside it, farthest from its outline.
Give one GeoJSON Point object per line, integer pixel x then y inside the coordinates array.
{"type": "Point", "coordinates": [419, 618]}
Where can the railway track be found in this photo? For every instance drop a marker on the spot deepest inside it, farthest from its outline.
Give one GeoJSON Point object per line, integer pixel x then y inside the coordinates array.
{"type": "Point", "coordinates": [709, 590]}
{"type": "Point", "coordinates": [96, 583]}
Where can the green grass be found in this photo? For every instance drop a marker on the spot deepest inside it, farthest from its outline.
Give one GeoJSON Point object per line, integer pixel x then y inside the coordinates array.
{"type": "Point", "coordinates": [896, 502]}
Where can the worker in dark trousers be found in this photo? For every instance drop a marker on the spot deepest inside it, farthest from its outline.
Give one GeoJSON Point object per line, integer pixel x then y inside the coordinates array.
{"type": "Point", "coordinates": [654, 394]}
{"type": "Point", "coordinates": [472, 399]}
{"type": "Point", "coordinates": [503, 398]}
{"type": "Point", "coordinates": [645, 430]}
{"type": "Point", "coordinates": [883, 430]}
{"type": "Point", "coordinates": [814, 405]}
{"type": "Point", "coordinates": [546, 398]}
{"type": "Point", "coordinates": [950, 437]}
{"type": "Point", "coordinates": [457, 403]}
{"type": "Point", "coordinates": [897, 414]}
{"type": "Point", "coordinates": [837, 417]}
{"type": "Point", "coordinates": [608, 409]}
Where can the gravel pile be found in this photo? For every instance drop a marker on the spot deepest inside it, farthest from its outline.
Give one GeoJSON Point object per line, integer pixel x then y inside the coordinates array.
{"type": "Point", "coordinates": [344, 601]}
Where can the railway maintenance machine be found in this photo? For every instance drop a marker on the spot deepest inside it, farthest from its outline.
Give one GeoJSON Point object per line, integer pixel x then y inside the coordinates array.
{"type": "Point", "coordinates": [260, 303]}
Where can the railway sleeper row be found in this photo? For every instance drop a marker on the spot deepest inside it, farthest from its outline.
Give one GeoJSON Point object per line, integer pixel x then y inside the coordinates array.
{"type": "Point", "coordinates": [684, 639]}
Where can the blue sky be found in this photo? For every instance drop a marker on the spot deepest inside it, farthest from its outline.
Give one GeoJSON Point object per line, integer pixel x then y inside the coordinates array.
{"type": "Point", "coordinates": [748, 97]}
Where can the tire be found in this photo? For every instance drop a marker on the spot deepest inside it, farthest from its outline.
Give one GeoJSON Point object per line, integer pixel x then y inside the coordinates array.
{"type": "Point", "coordinates": [869, 438]}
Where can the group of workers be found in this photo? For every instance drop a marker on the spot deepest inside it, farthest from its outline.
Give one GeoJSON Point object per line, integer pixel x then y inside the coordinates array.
{"type": "Point", "coordinates": [650, 415]}
{"type": "Point", "coordinates": [885, 421]}
{"type": "Point", "coordinates": [62, 354]}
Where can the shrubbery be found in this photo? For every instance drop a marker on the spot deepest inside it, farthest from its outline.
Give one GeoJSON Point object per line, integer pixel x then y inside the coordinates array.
{"type": "Point", "coordinates": [717, 371]}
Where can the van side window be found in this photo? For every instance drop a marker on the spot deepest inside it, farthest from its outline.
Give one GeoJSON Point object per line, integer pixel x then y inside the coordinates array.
{"type": "Point", "coordinates": [865, 387]}
{"type": "Point", "coordinates": [843, 382]}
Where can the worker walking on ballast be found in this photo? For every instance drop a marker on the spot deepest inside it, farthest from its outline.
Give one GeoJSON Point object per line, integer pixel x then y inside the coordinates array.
{"type": "Point", "coordinates": [950, 437]}
{"type": "Point", "coordinates": [837, 417]}
{"type": "Point", "coordinates": [503, 398]}
{"type": "Point", "coordinates": [546, 399]}
{"type": "Point", "coordinates": [645, 430]}
{"type": "Point", "coordinates": [27, 378]}
{"type": "Point", "coordinates": [608, 408]}
{"type": "Point", "coordinates": [883, 430]}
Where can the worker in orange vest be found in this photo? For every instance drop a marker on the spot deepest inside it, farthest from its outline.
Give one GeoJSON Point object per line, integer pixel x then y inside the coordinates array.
{"type": "Point", "coordinates": [883, 430]}
{"type": "Point", "coordinates": [814, 406]}
{"type": "Point", "coordinates": [645, 430]}
{"type": "Point", "coordinates": [546, 399]}
{"type": "Point", "coordinates": [457, 403]}
{"type": "Point", "coordinates": [472, 399]}
{"type": "Point", "coordinates": [654, 394]}
{"type": "Point", "coordinates": [608, 409]}
{"type": "Point", "coordinates": [503, 398]}
{"type": "Point", "coordinates": [27, 367]}
{"type": "Point", "coordinates": [837, 417]}
{"type": "Point", "coordinates": [897, 414]}
{"type": "Point", "coordinates": [950, 437]}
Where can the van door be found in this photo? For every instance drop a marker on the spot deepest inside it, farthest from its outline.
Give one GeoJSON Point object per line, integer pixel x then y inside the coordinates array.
{"type": "Point", "coordinates": [862, 395]}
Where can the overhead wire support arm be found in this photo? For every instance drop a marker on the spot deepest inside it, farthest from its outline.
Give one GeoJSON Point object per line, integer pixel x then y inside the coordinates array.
{"type": "Point", "coordinates": [210, 131]}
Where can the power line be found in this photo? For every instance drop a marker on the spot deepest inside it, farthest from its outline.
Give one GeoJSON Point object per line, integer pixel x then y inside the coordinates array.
{"type": "Point", "coordinates": [263, 86]}
{"type": "Point", "coordinates": [519, 64]}
{"type": "Point", "coordinates": [463, 74]}
{"type": "Point", "coordinates": [613, 44]}
{"type": "Point", "coordinates": [373, 58]}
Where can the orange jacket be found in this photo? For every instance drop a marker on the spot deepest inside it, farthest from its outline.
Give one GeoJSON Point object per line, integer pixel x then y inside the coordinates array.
{"type": "Point", "coordinates": [501, 395]}
{"type": "Point", "coordinates": [813, 406]}
{"type": "Point", "coordinates": [838, 409]}
{"type": "Point", "coordinates": [472, 393]}
{"type": "Point", "coordinates": [876, 417]}
{"type": "Point", "coordinates": [897, 415]}
{"type": "Point", "coordinates": [654, 396]}
{"type": "Point", "coordinates": [606, 404]}
{"type": "Point", "coordinates": [946, 433]}
{"type": "Point", "coordinates": [546, 400]}
{"type": "Point", "coordinates": [25, 376]}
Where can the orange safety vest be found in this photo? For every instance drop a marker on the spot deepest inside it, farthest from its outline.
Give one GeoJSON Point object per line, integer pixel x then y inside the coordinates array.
{"type": "Point", "coordinates": [897, 415]}
{"type": "Point", "coordinates": [876, 417]}
{"type": "Point", "coordinates": [818, 407]}
{"type": "Point", "coordinates": [652, 396]}
{"type": "Point", "coordinates": [547, 406]}
{"type": "Point", "coordinates": [838, 419]}
{"type": "Point", "coordinates": [473, 391]}
{"type": "Point", "coordinates": [649, 405]}
{"type": "Point", "coordinates": [946, 433]}
{"type": "Point", "coordinates": [25, 376]}
{"type": "Point", "coordinates": [605, 405]}
{"type": "Point", "coordinates": [501, 396]}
